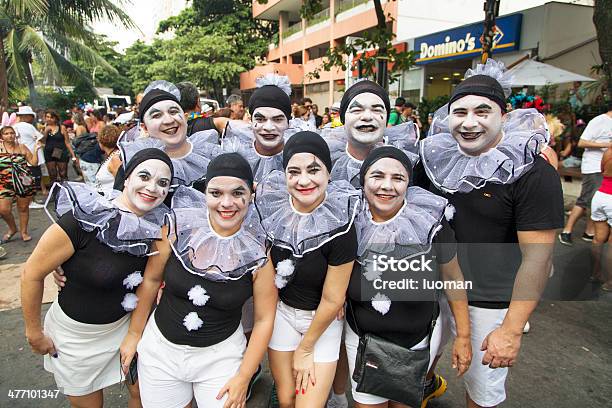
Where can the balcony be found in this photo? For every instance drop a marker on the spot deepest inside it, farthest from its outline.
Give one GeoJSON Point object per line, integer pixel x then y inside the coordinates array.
{"type": "Point", "coordinates": [292, 29]}
{"type": "Point", "coordinates": [272, 8]}
{"type": "Point", "coordinates": [295, 72]}
{"type": "Point", "coordinates": [344, 5]}
{"type": "Point", "coordinates": [320, 17]}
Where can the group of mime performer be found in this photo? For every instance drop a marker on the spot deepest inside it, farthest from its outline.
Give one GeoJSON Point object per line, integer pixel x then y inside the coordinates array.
{"type": "Point", "coordinates": [213, 251]}
{"type": "Point", "coordinates": [486, 162]}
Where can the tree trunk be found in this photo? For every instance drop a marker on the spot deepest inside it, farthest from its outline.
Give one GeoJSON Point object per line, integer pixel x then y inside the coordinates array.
{"type": "Point", "coordinates": [3, 79]}
{"type": "Point", "coordinates": [602, 18]}
{"type": "Point", "coordinates": [381, 59]}
{"type": "Point", "coordinates": [30, 79]}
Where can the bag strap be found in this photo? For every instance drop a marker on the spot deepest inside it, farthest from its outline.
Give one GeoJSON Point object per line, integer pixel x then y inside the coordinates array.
{"type": "Point", "coordinates": [432, 324]}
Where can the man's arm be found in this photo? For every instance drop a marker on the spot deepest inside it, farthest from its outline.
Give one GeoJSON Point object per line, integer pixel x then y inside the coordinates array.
{"type": "Point", "coordinates": [595, 145]}
{"type": "Point", "coordinates": [502, 345]}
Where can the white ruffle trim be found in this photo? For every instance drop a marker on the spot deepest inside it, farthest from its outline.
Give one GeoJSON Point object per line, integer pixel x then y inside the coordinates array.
{"type": "Point", "coordinates": [381, 303]}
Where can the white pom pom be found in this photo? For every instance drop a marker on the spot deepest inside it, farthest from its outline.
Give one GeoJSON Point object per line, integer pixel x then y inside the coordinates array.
{"type": "Point", "coordinates": [381, 303]}
{"type": "Point", "coordinates": [369, 272]}
{"type": "Point", "coordinates": [280, 81]}
{"type": "Point", "coordinates": [285, 267]}
{"type": "Point", "coordinates": [164, 86]}
{"type": "Point", "coordinates": [198, 295]}
{"type": "Point", "coordinates": [129, 302]}
{"type": "Point", "coordinates": [279, 281]}
{"type": "Point", "coordinates": [449, 212]}
{"type": "Point", "coordinates": [132, 280]}
{"type": "Point", "coordinates": [192, 321]}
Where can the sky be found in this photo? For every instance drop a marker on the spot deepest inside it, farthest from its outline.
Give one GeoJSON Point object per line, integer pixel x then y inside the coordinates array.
{"type": "Point", "coordinates": [146, 14]}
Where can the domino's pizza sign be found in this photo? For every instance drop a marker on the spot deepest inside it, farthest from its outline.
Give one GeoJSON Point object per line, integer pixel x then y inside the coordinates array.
{"type": "Point", "coordinates": [465, 42]}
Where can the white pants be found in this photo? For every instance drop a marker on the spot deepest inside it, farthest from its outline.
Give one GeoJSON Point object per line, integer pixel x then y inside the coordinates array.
{"type": "Point", "coordinates": [170, 375]}
{"type": "Point", "coordinates": [291, 324]}
{"type": "Point", "coordinates": [484, 385]}
{"type": "Point", "coordinates": [438, 340]}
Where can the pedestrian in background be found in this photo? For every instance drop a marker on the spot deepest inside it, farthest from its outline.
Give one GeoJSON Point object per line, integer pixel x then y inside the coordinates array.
{"type": "Point", "coordinates": [396, 118]}
{"type": "Point", "coordinates": [29, 135]}
{"type": "Point", "coordinates": [595, 139]}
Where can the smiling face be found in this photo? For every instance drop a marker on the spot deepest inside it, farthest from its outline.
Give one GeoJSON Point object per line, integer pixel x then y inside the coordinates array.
{"type": "Point", "coordinates": [366, 118]}
{"type": "Point", "coordinates": [476, 124]}
{"type": "Point", "coordinates": [165, 121]}
{"type": "Point", "coordinates": [147, 186]}
{"type": "Point", "coordinates": [269, 125]}
{"type": "Point", "coordinates": [385, 185]}
{"type": "Point", "coordinates": [307, 179]}
{"type": "Point", "coordinates": [227, 199]}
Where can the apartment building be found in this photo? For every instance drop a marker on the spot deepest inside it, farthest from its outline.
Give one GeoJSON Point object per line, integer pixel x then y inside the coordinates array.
{"type": "Point", "coordinates": [302, 43]}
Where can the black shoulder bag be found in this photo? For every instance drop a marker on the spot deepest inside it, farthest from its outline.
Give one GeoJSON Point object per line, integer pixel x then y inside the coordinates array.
{"type": "Point", "coordinates": [390, 371]}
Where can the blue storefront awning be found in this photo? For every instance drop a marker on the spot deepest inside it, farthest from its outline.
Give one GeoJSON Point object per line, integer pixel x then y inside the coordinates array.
{"type": "Point", "coordinates": [465, 42]}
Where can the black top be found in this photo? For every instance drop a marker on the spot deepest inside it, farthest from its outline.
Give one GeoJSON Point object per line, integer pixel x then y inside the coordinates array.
{"type": "Point", "coordinates": [407, 322]}
{"type": "Point", "coordinates": [305, 287]}
{"type": "Point", "coordinates": [199, 124]}
{"type": "Point", "coordinates": [94, 286]}
{"type": "Point", "coordinates": [487, 220]}
{"type": "Point", "coordinates": [221, 314]}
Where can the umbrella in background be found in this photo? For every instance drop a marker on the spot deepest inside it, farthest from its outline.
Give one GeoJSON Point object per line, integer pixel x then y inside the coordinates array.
{"type": "Point", "coordinates": [534, 73]}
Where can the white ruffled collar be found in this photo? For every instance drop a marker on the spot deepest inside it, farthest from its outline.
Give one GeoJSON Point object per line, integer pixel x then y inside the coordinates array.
{"type": "Point", "coordinates": [451, 170]}
{"type": "Point", "coordinates": [302, 233]}
{"type": "Point", "coordinates": [202, 251]}
{"type": "Point", "coordinates": [120, 230]}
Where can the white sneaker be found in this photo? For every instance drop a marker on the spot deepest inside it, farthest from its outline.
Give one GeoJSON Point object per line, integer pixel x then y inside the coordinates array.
{"type": "Point", "coordinates": [526, 328]}
{"type": "Point", "coordinates": [337, 401]}
{"type": "Point", "coordinates": [34, 205]}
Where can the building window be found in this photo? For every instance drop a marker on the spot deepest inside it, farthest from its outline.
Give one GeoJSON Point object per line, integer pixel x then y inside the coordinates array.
{"type": "Point", "coordinates": [317, 88]}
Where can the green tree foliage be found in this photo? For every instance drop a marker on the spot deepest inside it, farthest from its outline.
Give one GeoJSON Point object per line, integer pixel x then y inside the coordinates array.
{"type": "Point", "coordinates": [602, 18]}
{"type": "Point", "coordinates": [51, 33]}
{"type": "Point", "coordinates": [214, 41]}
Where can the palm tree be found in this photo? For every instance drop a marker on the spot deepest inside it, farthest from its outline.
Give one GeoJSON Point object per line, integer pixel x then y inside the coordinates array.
{"type": "Point", "coordinates": [50, 32]}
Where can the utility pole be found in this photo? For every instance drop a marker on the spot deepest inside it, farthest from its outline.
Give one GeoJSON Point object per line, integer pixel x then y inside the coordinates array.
{"type": "Point", "coordinates": [491, 9]}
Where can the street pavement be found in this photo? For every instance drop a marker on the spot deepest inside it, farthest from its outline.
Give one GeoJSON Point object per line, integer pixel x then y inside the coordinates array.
{"type": "Point", "coordinates": [565, 359]}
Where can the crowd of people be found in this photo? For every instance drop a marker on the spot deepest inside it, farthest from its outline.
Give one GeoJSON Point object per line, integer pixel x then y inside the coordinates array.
{"type": "Point", "coordinates": [202, 242]}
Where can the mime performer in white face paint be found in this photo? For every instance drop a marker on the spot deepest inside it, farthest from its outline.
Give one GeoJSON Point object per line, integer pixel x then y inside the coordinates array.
{"type": "Point", "coordinates": [364, 111]}
{"type": "Point", "coordinates": [261, 143]}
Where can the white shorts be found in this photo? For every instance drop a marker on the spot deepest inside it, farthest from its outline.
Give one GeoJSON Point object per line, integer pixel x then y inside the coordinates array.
{"type": "Point", "coordinates": [88, 354]}
{"type": "Point", "coordinates": [291, 324]}
{"type": "Point", "coordinates": [438, 340]}
{"type": "Point", "coordinates": [171, 375]}
{"type": "Point", "coordinates": [484, 385]}
{"type": "Point", "coordinates": [601, 207]}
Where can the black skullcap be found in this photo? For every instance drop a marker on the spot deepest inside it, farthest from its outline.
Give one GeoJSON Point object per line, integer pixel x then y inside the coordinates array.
{"type": "Point", "coordinates": [481, 85]}
{"type": "Point", "coordinates": [150, 153]}
{"type": "Point", "coordinates": [307, 142]}
{"type": "Point", "coordinates": [381, 153]}
{"type": "Point", "coordinates": [152, 97]}
{"type": "Point", "coordinates": [230, 165]}
{"type": "Point", "coordinates": [270, 96]}
{"type": "Point", "coordinates": [363, 87]}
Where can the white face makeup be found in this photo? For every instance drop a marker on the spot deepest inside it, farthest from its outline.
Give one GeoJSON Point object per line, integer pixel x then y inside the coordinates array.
{"type": "Point", "coordinates": [269, 125]}
{"type": "Point", "coordinates": [147, 186]}
{"type": "Point", "coordinates": [227, 199]}
{"type": "Point", "coordinates": [307, 179]}
{"type": "Point", "coordinates": [476, 123]}
{"type": "Point", "coordinates": [166, 121]}
{"type": "Point", "coordinates": [385, 185]}
{"type": "Point", "coordinates": [365, 119]}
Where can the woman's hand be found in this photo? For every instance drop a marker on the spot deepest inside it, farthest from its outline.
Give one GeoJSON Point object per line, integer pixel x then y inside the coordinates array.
{"type": "Point", "coordinates": [236, 388]}
{"type": "Point", "coordinates": [42, 344]}
{"type": "Point", "coordinates": [59, 278]}
{"type": "Point", "coordinates": [128, 350]}
{"type": "Point", "coordinates": [462, 354]}
{"type": "Point", "coordinates": [303, 369]}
